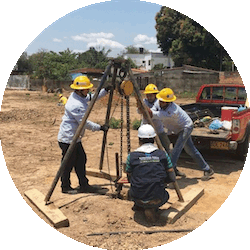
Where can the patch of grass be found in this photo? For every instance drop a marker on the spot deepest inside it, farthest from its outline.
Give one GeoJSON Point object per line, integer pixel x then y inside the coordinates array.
{"type": "Point", "coordinates": [114, 123]}
{"type": "Point", "coordinates": [136, 124]}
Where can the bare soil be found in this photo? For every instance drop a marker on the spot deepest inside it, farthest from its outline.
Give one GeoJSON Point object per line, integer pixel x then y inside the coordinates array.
{"type": "Point", "coordinates": [29, 123]}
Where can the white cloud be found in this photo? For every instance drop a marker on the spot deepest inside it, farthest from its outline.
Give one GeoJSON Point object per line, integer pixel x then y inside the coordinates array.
{"type": "Point", "coordinates": [92, 37]}
{"type": "Point", "coordinates": [78, 51]}
{"type": "Point", "coordinates": [57, 40]}
{"type": "Point", "coordinates": [98, 39]}
{"type": "Point", "coordinates": [145, 39]}
{"type": "Point", "coordinates": [106, 43]}
{"type": "Point", "coordinates": [155, 50]}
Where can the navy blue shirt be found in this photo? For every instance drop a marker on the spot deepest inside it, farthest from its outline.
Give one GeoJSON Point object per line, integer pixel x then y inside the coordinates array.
{"type": "Point", "coordinates": [148, 172]}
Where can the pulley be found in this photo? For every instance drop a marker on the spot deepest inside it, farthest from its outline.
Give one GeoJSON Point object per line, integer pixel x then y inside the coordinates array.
{"type": "Point", "coordinates": [125, 88]}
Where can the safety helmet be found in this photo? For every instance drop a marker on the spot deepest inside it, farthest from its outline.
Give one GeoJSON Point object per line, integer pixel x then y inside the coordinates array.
{"type": "Point", "coordinates": [81, 82]}
{"type": "Point", "coordinates": [60, 95]}
{"type": "Point", "coordinates": [166, 95]}
{"type": "Point", "coordinates": [146, 131]}
{"type": "Point", "coordinates": [151, 89]}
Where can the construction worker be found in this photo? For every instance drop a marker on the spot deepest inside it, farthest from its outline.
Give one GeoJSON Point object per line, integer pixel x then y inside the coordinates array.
{"type": "Point", "coordinates": [75, 109]}
{"type": "Point", "coordinates": [148, 169]}
{"type": "Point", "coordinates": [178, 122]}
{"type": "Point", "coordinates": [62, 100]}
{"type": "Point", "coordinates": [151, 91]}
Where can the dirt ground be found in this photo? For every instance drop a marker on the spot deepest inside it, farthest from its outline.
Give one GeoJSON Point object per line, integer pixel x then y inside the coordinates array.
{"type": "Point", "coordinates": [29, 123]}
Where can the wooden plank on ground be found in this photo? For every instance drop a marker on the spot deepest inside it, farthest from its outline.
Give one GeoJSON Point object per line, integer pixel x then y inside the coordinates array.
{"type": "Point", "coordinates": [101, 175]}
{"type": "Point", "coordinates": [177, 209]}
{"type": "Point", "coordinates": [54, 215]}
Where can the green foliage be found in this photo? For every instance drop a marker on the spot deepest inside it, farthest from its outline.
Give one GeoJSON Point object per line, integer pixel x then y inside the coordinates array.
{"type": "Point", "coordinates": [158, 66]}
{"type": "Point", "coordinates": [136, 124]}
{"type": "Point", "coordinates": [114, 123]}
{"type": "Point", "coordinates": [56, 66]}
{"type": "Point", "coordinates": [134, 50]}
{"type": "Point", "coordinates": [187, 41]}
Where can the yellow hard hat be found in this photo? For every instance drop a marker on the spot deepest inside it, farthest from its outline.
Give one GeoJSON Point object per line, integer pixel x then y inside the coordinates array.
{"type": "Point", "coordinates": [166, 95]}
{"type": "Point", "coordinates": [151, 89]}
{"type": "Point", "coordinates": [81, 82]}
{"type": "Point", "coordinates": [60, 95]}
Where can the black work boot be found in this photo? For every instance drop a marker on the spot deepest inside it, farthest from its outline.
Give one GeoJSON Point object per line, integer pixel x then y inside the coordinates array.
{"type": "Point", "coordinates": [69, 190]}
{"type": "Point", "coordinates": [88, 189]}
{"type": "Point", "coordinates": [178, 173]}
{"type": "Point", "coordinates": [150, 214]}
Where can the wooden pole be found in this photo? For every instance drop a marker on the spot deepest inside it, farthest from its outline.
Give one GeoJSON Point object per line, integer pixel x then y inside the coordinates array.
{"type": "Point", "coordinates": [104, 140]}
{"type": "Point", "coordinates": [149, 120]}
{"type": "Point", "coordinates": [77, 134]}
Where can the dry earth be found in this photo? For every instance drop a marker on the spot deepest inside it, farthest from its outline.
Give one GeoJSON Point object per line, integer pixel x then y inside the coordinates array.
{"type": "Point", "coordinates": [29, 123]}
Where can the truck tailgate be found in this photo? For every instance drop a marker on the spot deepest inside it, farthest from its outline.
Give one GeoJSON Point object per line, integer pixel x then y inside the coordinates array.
{"type": "Point", "coordinates": [205, 133]}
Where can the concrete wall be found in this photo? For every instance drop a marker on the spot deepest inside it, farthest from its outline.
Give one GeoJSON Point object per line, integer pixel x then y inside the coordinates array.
{"type": "Point", "coordinates": [37, 84]}
{"type": "Point", "coordinates": [178, 79]}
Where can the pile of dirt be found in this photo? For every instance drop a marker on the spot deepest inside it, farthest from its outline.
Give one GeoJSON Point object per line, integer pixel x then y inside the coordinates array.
{"type": "Point", "coordinates": [18, 115]}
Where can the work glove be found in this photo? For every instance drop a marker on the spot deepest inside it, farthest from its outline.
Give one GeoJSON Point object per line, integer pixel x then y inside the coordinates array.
{"type": "Point", "coordinates": [108, 88]}
{"type": "Point", "coordinates": [104, 128]}
{"type": "Point", "coordinates": [170, 177]}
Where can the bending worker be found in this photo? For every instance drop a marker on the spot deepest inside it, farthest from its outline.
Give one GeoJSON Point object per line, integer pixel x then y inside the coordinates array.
{"type": "Point", "coordinates": [151, 91]}
{"type": "Point", "coordinates": [178, 122]}
{"type": "Point", "coordinates": [148, 168]}
{"type": "Point", "coordinates": [75, 109]}
{"type": "Point", "coordinates": [62, 100]}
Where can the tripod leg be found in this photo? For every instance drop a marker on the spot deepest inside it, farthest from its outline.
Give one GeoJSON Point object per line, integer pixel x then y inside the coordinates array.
{"type": "Point", "coordinates": [104, 140]}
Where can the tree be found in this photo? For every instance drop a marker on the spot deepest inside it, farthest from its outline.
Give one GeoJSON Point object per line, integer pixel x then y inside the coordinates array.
{"type": "Point", "coordinates": [93, 58]}
{"type": "Point", "coordinates": [23, 63]}
{"type": "Point", "coordinates": [187, 41]}
{"type": "Point", "coordinates": [134, 50]}
{"type": "Point", "coordinates": [52, 65]}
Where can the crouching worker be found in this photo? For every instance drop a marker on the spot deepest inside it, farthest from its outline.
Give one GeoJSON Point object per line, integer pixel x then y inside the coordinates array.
{"type": "Point", "coordinates": [148, 169]}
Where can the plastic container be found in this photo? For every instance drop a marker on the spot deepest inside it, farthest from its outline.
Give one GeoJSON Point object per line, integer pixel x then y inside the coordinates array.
{"type": "Point", "coordinates": [226, 113]}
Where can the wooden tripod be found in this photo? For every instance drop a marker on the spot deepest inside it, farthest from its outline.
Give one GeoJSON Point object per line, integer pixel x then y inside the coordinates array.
{"type": "Point", "coordinates": [115, 64]}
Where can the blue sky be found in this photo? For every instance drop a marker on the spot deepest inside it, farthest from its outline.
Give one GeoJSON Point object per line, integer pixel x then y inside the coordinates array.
{"type": "Point", "coordinates": [113, 25]}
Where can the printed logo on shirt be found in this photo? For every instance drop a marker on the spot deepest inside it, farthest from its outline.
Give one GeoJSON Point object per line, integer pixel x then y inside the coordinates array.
{"type": "Point", "coordinates": [148, 159]}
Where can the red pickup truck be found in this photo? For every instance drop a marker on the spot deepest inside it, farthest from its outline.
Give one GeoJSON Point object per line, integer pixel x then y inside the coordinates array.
{"type": "Point", "coordinates": [222, 102]}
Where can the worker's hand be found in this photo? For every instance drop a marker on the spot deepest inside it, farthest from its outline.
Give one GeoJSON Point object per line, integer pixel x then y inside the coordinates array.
{"type": "Point", "coordinates": [170, 176]}
{"type": "Point", "coordinates": [150, 112]}
{"type": "Point", "coordinates": [108, 88]}
{"type": "Point", "coordinates": [104, 128]}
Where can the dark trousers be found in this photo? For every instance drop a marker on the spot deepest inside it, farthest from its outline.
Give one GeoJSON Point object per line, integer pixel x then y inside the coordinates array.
{"type": "Point", "coordinates": [78, 161]}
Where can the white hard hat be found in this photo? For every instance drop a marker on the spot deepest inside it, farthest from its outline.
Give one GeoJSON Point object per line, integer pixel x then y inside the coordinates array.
{"type": "Point", "coordinates": [146, 131]}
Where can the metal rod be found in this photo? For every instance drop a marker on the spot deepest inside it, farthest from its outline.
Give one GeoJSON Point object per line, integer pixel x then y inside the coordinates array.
{"type": "Point", "coordinates": [77, 134]}
{"type": "Point", "coordinates": [144, 232]}
{"type": "Point", "coordinates": [117, 166]}
{"type": "Point", "coordinates": [149, 120]}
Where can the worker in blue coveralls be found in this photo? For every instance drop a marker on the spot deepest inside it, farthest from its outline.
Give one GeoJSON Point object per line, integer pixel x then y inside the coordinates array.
{"type": "Point", "coordinates": [75, 110]}
{"type": "Point", "coordinates": [148, 169]}
{"type": "Point", "coordinates": [178, 122]}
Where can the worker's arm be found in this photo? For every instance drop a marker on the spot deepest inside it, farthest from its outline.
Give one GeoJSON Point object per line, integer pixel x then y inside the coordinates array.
{"type": "Point", "coordinates": [79, 113]}
{"type": "Point", "coordinates": [169, 169]}
{"type": "Point", "coordinates": [128, 168]}
{"type": "Point", "coordinates": [102, 93]}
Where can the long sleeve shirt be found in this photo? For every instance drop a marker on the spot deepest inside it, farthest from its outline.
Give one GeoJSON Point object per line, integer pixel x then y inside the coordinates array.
{"type": "Point", "coordinates": [75, 110]}
{"type": "Point", "coordinates": [157, 123]}
{"type": "Point", "coordinates": [174, 118]}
